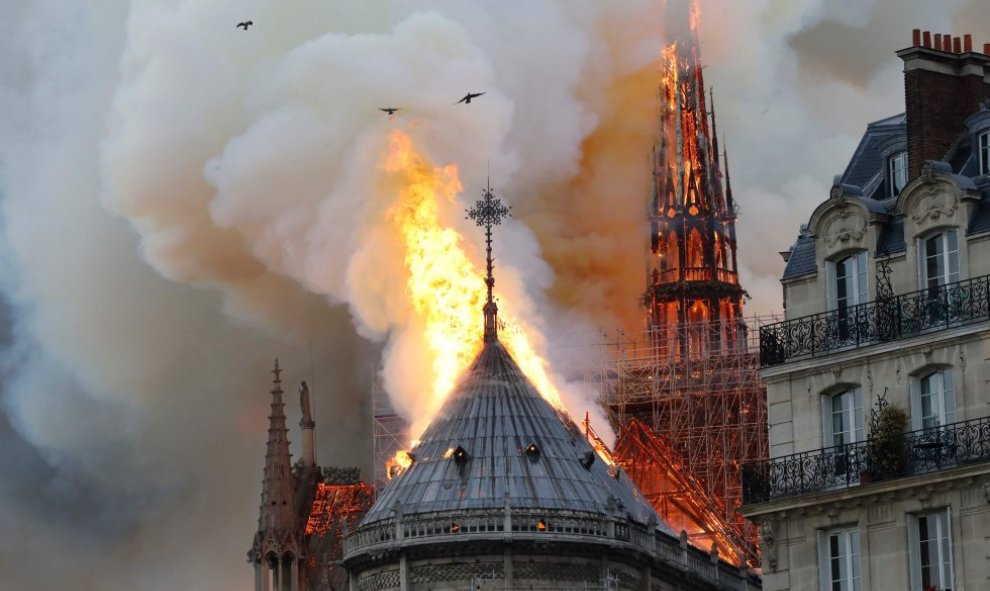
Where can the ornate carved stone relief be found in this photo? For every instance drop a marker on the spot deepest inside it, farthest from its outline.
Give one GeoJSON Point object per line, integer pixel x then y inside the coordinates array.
{"type": "Point", "coordinates": [769, 535]}
{"type": "Point", "coordinates": [847, 224]}
{"type": "Point", "coordinates": [934, 204]}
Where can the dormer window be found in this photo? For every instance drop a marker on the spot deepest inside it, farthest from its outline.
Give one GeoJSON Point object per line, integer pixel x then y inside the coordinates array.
{"type": "Point", "coordinates": [984, 147]}
{"type": "Point", "coordinates": [897, 172]}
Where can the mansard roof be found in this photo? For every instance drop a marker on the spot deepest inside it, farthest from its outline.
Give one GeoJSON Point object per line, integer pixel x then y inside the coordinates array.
{"type": "Point", "coordinates": [865, 181]}
{"type": "Point", "coordinates": [867, 166]}
{"type": "Point", "coordinates": [495, 442]}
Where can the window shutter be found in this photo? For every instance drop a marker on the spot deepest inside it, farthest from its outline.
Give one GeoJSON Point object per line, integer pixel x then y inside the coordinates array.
{"type": "Point", "coordinates": [823, 561]}
{"type": "Point", "coordinates": [857, 398]}
{"type": "Point", "coordinates": [914, 552]}
{"type": "Point", "coordinates": [949, 396]}
{"type": "Point", "coordinates": [915, 403]}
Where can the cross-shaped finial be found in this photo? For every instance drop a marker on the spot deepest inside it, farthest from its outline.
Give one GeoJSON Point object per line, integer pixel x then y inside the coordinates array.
{"type": "Point", "coordinates": [489, 211]}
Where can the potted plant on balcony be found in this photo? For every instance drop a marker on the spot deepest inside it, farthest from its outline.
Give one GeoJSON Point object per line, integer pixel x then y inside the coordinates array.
{"type": "Point", "coordinates": [886, 444]}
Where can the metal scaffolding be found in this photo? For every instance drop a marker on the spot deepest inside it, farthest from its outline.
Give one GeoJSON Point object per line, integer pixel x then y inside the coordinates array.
{"type": "Point", "coordinates": [389, 433]}
{"type": "Point", "coordinates": [707, 411]}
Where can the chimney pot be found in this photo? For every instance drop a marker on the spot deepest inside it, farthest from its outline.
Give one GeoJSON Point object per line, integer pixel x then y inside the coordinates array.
{"type": "Point", "coordinates": [916, 37]}
{"type": "Point", "coordinates": [947, 43]}
{"type": "Point", "coordinates": [967, 43]}
{"type": "Point", "coordinates": [986, 49]}
{"type": "Point", "coordinates": [956, 45]}
{"type": "Point", "coordinates": [938, 41]}
{"type": "Point", "coordinates": [927, 39]}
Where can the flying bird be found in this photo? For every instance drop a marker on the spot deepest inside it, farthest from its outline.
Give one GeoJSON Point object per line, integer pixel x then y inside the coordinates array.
{"type": "Point", "coordinates": [390, 110]}
{"type": "Point", "coordinates": [244, 25]}
{"type": "Point", "coordinates": [467, 98]}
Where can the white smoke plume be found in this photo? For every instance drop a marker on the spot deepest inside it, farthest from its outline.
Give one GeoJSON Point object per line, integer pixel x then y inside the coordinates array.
{"type": "Point", "coordinates": [183, 201]}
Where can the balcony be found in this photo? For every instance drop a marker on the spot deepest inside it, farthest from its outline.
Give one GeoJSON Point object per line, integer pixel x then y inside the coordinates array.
{"type": "Point", "coordinates": [845, 466]}
{"type": "Point", "coordinates": [897, 317]}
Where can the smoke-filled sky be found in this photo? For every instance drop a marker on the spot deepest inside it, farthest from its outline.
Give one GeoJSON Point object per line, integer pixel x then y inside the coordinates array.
{"type": "Point", "coordinates": [182, 201]}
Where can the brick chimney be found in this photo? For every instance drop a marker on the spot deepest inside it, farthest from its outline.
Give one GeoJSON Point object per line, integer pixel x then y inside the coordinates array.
{"type": "Point", "coordinates": [944, 82]}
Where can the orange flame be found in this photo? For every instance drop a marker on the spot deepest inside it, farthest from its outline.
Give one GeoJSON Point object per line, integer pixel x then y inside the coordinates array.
{"type": "Point", "coordinates": [398, 464]}
{"type": "Point", "coordinates": [446, 288]}
{"type": "Point", "coordinates": [695, 15]}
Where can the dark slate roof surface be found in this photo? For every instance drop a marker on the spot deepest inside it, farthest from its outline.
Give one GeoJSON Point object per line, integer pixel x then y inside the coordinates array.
{"type": "Point", "coordinates": [802, 259]}
{"type": "Point", "coordinates": [867, 159]}
{"type": "Point", "coordinates": [891, 237]}
{"type": "Point", "coordinates": [494, 414]}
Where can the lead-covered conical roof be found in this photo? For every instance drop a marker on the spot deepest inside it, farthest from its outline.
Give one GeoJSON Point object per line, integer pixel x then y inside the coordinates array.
{"type": "Point", "coordinates": [496, 440]}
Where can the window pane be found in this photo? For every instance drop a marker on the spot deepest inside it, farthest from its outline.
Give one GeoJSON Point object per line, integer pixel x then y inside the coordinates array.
{"type": "Point", "coordinates": [952, 264]}
{"type": "Point", "coordinates": [933, 550]}
{"type": "Point", "coordinates": [924, 538]}
{"type": "Point", "coordinates": [861, 290]}
{"type": "Point", "coordinates": [928, 416]}
{"type": "Point", "coordinates": [842, 280]}
{"type": "Point", "coordinates": [933, 261]}
{"type": "Point", "coordinates": [898, 172]}
{"type": "Point", "coordinates": [840, 419]}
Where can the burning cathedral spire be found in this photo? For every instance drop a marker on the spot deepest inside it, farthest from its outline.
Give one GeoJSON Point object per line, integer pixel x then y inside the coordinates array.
{"type": "Point", "coordinates": [502, 480]}
{"type": "Point", "coordinates": [690, 406]}
{"type": "Point", "coordinates": [693, 279]}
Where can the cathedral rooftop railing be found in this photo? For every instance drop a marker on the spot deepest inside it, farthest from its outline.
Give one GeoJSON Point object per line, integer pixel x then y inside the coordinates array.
{"type": "Point", "coordinates": [882, 320]}
{"type": "Point", "coordinates": [845, 466]}
{"type": "Point", "coordinates": [542, 527]}
{"type": "Point", "coordinates": [698, 274]}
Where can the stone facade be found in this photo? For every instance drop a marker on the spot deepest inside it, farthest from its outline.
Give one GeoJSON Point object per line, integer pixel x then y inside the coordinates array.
{"type": "Point", "coordinates": [891, 312]}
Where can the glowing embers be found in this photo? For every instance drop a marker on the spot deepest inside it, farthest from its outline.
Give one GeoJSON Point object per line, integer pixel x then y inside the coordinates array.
{"type": "Point", "coordinates": [541, 525]}
{"type": "Point", "coordinates": [336, 506]}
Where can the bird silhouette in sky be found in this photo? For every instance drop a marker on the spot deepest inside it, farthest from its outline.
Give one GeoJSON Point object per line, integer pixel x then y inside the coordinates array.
{"type": "Point", "coordinates": [467, 98]}
{"type": "Point", "coordinates": [244, 25]}
{"type": "Point", "coordinates": [390, 110]}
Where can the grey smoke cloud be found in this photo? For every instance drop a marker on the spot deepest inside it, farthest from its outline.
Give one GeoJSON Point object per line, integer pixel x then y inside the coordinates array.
{"type": "Point", "coordinates": [182, 202]}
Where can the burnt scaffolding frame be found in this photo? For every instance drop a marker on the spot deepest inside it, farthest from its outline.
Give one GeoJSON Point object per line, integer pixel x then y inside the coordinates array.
{"type": "Point", "coordinates": [709, 407]}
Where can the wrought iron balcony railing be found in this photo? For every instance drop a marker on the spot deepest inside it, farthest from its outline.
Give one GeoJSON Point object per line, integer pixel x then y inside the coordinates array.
{"type": "Point", "coordinates": [896, 317]}
{"type": "Point", "coordinates": [843, 466]}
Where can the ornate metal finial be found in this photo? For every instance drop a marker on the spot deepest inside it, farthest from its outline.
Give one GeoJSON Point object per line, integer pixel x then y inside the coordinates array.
{"type": "Point", "coordinates": [489, 211]}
